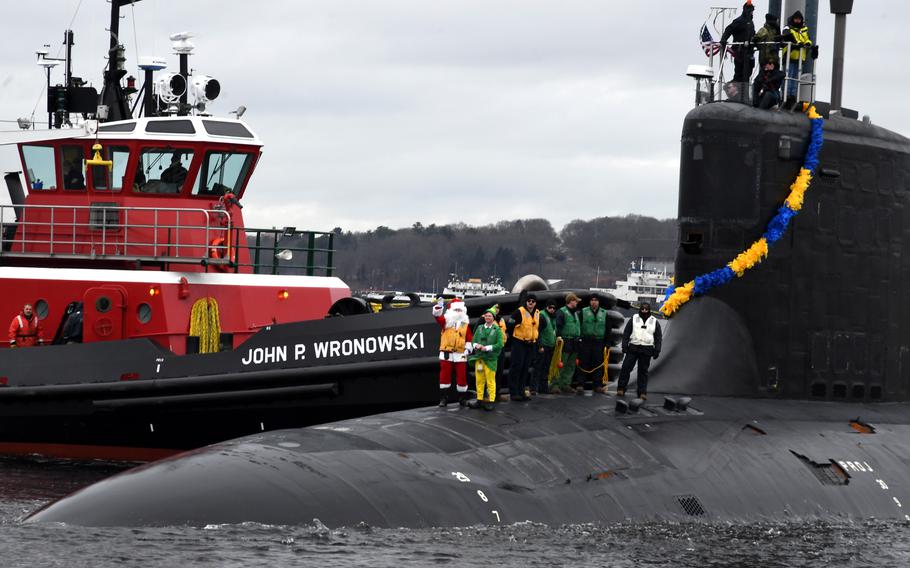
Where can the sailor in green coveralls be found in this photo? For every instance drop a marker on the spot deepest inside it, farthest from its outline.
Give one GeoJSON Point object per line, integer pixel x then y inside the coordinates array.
{"type": "Point", "coordinates": [568, 328]}
{"type": "Point", "coordinates": [591, 346]}
{"type": "Point", "coordinates": [547, 340]}
{"type": "Point", "coordinates": [488, 341]}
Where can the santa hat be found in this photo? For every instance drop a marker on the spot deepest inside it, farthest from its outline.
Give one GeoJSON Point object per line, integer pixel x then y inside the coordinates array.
{"type": "Point", "coordinates": [457, 304]}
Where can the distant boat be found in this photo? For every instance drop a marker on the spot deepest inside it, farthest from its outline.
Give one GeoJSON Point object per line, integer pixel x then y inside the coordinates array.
{"type": "Point", "coordinates": [396, 299]}
{"type": "Point", "coordinates": [646, 282]}
{"type": "Point", "coordinates": [473, 287]}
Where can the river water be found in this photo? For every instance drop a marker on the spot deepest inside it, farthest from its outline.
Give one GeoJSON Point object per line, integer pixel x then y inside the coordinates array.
{"type": "Point", "coordinates": [27, 485]}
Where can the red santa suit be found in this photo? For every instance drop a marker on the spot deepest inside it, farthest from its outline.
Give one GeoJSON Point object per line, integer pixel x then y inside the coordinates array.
{"type": "Point", "coordinates": [454, 345]}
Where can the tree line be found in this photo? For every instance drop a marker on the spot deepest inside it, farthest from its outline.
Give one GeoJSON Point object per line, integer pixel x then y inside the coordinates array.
{"type": "Point", "coordinates": [420, 258]}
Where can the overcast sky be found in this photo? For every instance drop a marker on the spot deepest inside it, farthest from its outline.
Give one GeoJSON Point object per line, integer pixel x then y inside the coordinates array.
{"type": "Point", "coordinates": [380, 112]}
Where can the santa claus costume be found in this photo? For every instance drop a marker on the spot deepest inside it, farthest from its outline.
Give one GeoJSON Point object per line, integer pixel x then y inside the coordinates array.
{"type": "Point", "coordinates": [454, 347]}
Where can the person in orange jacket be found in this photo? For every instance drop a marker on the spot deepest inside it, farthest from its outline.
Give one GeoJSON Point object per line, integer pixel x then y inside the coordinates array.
{"type": "Point", "coordinates": [25, 329]}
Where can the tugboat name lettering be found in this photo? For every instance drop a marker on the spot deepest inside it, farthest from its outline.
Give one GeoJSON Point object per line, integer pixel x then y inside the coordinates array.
{"type": "Point", "coordinates": [337, 348]}
{"type": "Point", "coordinates": [261, 355]}
{"type": "Point", "coordinates": [368, 345]}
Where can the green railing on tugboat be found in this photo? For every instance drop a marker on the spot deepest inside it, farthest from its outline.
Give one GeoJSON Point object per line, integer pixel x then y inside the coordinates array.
{"type": "Point", "coordinates": [278, 251]}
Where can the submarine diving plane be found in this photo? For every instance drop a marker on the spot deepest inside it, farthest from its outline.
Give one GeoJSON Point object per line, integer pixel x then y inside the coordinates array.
{"type": "Point", "coordinates": [781, 397]}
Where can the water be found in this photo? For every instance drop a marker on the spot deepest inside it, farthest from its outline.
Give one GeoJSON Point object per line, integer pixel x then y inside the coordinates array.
{"type": "Point", "coordinates": [26, 485]}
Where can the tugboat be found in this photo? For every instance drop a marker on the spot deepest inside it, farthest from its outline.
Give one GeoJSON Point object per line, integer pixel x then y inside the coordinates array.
{"type": "Point", "coordinates": [167, 323]}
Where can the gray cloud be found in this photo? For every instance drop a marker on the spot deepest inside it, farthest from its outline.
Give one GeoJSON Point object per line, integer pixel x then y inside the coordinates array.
{"type": "Point", "coordinates": [400, 111]}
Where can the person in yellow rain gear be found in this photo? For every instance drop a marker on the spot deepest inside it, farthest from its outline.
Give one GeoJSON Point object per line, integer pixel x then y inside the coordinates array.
{"type": "Point", "coordinates": [488, 342]}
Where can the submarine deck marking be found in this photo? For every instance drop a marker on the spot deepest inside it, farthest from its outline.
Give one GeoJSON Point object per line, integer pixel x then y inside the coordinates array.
{"type": "Point", "coordinates": [483, 496]}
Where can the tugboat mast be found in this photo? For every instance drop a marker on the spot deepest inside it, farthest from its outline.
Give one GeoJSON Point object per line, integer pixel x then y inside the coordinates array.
{"type": "Point", "coordinates": [112, 93]}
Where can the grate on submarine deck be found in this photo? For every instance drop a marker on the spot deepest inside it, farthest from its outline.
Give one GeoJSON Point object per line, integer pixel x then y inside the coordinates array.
{"type": "Point", "coordinates": [691, 505]}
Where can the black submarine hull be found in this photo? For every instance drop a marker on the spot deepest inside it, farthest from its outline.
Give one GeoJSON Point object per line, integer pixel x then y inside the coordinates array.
{"type": "Point", "coordinates": [554, 460]}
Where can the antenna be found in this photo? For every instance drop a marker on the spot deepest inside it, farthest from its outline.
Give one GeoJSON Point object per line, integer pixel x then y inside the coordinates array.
{"type": "Point", "coordinates": [840, 9]}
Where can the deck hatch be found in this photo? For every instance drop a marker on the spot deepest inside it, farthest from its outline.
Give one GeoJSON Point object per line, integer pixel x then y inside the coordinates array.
{"type": "Point", "coordinates": [830, 473]}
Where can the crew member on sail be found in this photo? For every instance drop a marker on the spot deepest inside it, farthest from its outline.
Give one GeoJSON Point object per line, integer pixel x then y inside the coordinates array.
{"type": "Point", "coordinates": [454, 346]}
{"type": "Point", "coordinates": [640, 342]}
{"type": "Point", "coordinates": [25, 329]}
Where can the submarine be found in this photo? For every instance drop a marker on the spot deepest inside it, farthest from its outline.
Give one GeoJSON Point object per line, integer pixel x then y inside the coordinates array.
{"type": "Point", "coordinates": [776, 396]}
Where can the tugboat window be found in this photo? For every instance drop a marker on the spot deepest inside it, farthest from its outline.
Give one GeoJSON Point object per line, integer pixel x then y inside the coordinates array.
{"type": "Point", "coordinates": [41, 309]}
{"type": "Point", "coordinates": [170, 127]}
{"type": "Point", "coordinates": [72, 164]}
{"type": "Point", "coordinates": [219, 128]}
{"type": "Point", "coordinates": [103, 304]}
{"type": "Point", "coordinates": [111, 179]}
{"type": "Point", "coordinates": [124, 127]}
{"type": "Point", "coordinates": [162, 170]}
{"type": "Point", "coordinates": [40, 171]}
{"type": "Point", "coordinates": [223, 172]}
{"type": "Point", "coordinates": [144, 313]}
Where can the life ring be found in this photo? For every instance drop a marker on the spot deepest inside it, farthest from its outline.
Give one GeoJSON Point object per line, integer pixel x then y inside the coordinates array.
{"type": "Point", "coordinates": [220, 248]}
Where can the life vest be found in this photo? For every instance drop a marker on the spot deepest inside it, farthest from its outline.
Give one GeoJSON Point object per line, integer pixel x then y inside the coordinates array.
{"type": "Point", "coordinates": [593, 325]}
{"type": "Point", "coordinates": [800, 36]}
{"type": "Point", "coordinates": [25, 332]}
{"type": "Point", "coordinates": [452, 339]}
{"type": "Point", "coordinates": [570, 326]}
{"type": "Point", "coordinates": [505, 335]}
{"type": "Point", "coordinates": [526, 330]}
{"type": "Point", "coordinates": [547, 334]}
{"type": "Point", "coordinates": [643, 332]}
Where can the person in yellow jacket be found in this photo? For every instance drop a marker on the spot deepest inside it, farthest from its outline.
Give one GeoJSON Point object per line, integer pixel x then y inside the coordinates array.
{"type": "Point", "coordinates": [526, 320]}
{"type": "Point", "coordinates": [487, 345]}
{"type": "Point", "coordinates": [454, 347]}
{"type": "Point", "coordinates": [796, 41]}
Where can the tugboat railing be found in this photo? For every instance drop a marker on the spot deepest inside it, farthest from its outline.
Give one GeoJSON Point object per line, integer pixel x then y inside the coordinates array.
{"type": "Point", "coordinates": [102, 231]}
{"type": "Point", "coordinates": [278, 251]}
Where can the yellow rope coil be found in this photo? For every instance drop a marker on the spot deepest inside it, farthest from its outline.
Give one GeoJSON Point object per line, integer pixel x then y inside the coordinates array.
{"type": "Point", "coordinates": [205, 323]}
{"type": "Point", "coordinates": [553, 372]}
{"type": "Point", "coordinates": [605, 364]}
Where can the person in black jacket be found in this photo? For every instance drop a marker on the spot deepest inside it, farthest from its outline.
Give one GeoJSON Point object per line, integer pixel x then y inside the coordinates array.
{"type": "Point", "coordinates": [766, 87]}
{"type": "Point", "coordinates": [741, 29]}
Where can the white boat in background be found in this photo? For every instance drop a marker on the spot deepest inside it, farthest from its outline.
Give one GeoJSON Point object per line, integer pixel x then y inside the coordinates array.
{"type": "Point", "coordinates": [646, 282]}
{"type": "Point", "coordinates": [473, 287]}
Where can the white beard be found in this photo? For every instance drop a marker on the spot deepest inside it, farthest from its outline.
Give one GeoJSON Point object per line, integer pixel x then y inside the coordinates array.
{"type": "Point", "coordinates": [456, 319]}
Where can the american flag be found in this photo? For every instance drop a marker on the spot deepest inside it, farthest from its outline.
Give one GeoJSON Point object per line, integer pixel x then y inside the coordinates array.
{"type": "Point", "coordinates": [707, 42]}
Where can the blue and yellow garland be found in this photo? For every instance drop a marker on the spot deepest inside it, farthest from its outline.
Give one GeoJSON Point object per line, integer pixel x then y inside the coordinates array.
{"type": "Point", "coordinates": [676, 297]}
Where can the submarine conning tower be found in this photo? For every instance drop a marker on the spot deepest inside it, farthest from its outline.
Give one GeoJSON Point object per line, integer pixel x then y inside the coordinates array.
{"type": "Point", "coordinates": [825, 315]}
